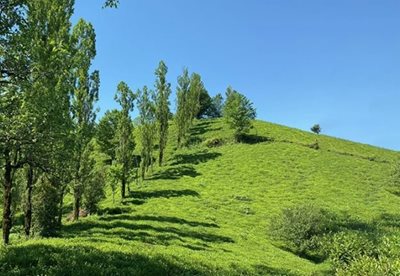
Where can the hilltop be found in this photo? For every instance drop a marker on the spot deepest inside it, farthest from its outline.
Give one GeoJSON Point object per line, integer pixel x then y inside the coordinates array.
{"type": "Point", "coordinates": [207, 211]}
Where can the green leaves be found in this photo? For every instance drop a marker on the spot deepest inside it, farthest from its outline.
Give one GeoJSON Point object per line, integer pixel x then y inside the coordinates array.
{"type": "Point", "coordinates": [238, 112]}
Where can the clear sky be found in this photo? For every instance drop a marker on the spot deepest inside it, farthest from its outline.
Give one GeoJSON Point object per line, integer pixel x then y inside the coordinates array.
{"type": "Point", "coordinates": [332, 62]}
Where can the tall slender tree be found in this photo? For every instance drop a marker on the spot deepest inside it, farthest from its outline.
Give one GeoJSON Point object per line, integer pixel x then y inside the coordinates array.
{"type": "Point", "coordinates": [147, 128]}
{"type": "Point", "coordinates": [163, 91]}
{"type": "Point", "coordinates": [182, 117]}
{"type": "Point", "coordinates": [125, 97]}
{"type": "Point", "coordinates": [85, 94]}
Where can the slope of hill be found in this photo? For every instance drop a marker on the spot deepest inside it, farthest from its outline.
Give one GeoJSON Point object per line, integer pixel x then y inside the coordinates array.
{"type": "Point", "coordinates": [208, 210]}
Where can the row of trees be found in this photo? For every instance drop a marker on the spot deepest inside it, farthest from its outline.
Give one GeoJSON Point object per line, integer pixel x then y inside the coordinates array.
{"type": "Point", "coordinates": [50, 141]}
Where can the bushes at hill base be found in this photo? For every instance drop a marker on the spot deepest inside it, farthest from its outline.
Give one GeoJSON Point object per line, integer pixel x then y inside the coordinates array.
{"type": "Point", "coordinates": [301, 227]}
{"type": "Point", "coordinates": [370, 266]}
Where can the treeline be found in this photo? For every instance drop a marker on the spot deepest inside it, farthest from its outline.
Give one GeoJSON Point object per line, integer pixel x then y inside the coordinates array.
{"type": "Point", "coordinates": [51, 143]}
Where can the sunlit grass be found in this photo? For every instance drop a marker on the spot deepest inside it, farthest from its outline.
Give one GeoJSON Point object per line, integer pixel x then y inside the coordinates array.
{"type": "Point", "coordinates": [208, 210]}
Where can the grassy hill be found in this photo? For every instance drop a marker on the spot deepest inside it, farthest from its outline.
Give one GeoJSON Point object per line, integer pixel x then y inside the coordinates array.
{"type": "Point", "coordinates": [208, 210]}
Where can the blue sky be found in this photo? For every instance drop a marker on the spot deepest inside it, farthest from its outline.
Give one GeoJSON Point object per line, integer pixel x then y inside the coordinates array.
{"type": "Point", "coordinates": [333, 62]}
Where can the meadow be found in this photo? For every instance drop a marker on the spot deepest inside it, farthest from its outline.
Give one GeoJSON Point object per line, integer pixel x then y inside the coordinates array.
{"type": "Point", "coordinates": [208, 210]}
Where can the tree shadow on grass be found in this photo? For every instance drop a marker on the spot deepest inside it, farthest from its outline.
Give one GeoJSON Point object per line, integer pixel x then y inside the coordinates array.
{"type": "Point", "coordinates": [389, 220]}
{"type": "Point", "coordinates": [160, 219]}
{"type": "Point", "coordinates": [43, 259]}
{"type": "Point", "coordinates": [175, 173]}
{"type": "Point", "coordinates": [133, 231]}
{"type": "Point", "coordinates": [254, 139]}
{"type": "Point", "coordinates": [195, 158]}
{"type": "Point", "coordinates": [144, 195]}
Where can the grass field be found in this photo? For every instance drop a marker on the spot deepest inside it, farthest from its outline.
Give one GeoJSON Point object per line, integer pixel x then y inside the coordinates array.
{"type": "Point", "coordinates": [208, 210]}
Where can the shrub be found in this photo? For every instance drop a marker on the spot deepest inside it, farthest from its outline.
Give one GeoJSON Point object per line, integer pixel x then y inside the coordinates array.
{"type": "Point", "coordinates": [214, 142]}
{"type": "Point", "coordinates": [298, 227]}
{"type": "Point", "coordinates": [369, 266]}
{"type": "Point", "coordinates": [345, 247]}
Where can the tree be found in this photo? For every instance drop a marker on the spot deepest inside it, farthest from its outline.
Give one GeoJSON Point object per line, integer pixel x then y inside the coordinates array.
{"type": "Point", "coordinates": [147, 128]}
{"type": "Point", "coordinates": [215, 110]}
{"type": "Point", "coordinates": [125, 97]}
{"type": "Point", "coordinates": [94, 172]}
{"type": "Point", "coordinates": [39, 102]}
{"type": "Point", "coordinates": [163, 91]}
{"type": "Point", "coordinates": [106, 134]}
{"type": "Point", "coordinates": [238, 112]}
{"type": "Point", "coordinates": [316, 128]}
{"type": "Point", "coordinates": [85, 94]}
{"type": "Point", "coordinates": [196, 88]}
{"type": "Point", "coordinates": [182, 117]}
{"type": "Point", "coordinates": [205, 102]}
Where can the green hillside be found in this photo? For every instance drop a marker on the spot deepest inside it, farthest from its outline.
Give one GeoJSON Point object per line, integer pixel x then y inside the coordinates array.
{"type": "Point", "coordinates": [209, 209]}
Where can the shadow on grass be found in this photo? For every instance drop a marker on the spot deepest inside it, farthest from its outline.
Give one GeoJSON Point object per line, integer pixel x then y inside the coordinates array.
{"type": "Point", "coordinates": [143, 195]}
{"type": "Point", "coordinates": [195, 158]}
{"type": "Point", "coordinates": [389, 220]}
{"type": "Point", "coordinates": [160, 219]}
{"type": "Point", "coordinates": [142, 232]}
{"type": "Point", "coordinates": [254, 139]}
{"type": "Point", "coordinates": [175, 173]}
{"type": "Point", "coordinates": [42, 259]}
{"type": "Point", "coordinates": [266, 270]}
{"type": "Point", "coordinates": [113, 211]}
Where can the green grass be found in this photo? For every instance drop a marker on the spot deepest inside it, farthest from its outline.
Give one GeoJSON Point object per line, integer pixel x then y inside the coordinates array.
{"type": "Point", "coordinates": [208, 210]}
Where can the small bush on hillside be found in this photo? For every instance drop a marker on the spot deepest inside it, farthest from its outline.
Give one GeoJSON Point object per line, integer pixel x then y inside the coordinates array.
{"type": "Point", "coordinates": [214, 142]}
{"type": "Point", "coordinates": [299, 227]}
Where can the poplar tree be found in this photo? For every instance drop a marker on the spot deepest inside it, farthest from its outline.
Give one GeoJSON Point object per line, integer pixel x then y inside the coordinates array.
{"type": "Point", "coordinates": [183, 114]}
{"type": "Point", "coordinates": [85, 94]}
{"type": "Point", "coordinates": [124, 151]}
{"type": "Point", "coordinates": [147, 128]}
{"type": "Point", "coordinates": [195, 90]}
{"type": "Point", "coordinates": [163, 91]}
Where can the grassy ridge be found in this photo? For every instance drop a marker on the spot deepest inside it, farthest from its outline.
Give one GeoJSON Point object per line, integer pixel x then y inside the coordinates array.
{"type": "Point", "coordinates": [208, 210]}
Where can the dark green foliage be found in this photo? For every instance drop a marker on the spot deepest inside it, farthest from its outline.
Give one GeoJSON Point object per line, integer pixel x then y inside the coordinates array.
{"type": "Point", "coordinates": [216, 107]}
{"type": "Point", "coordinates": [45, 206]}
{"type": "Point", "coordinates": [214, 142]}
{"type": "Point", "coordinates": [298, 227]}
{"type": "Point", "coordinates": [205, 102]}
{"type": "Point", "coordinates": [316, 128]}
{"type": "Point", "coordinates": [238, 112]}
{"type": "Point", "coordinates": [106, 133]}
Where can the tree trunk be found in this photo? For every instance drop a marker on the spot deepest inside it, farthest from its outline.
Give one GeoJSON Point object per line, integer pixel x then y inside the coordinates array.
{"type": "Point", "coordinates": [7, 198]}
{"type": "Point", "coordinates": [123, 186]}
{"type": "Point", "coordinates": [161, 156]}
{"type": "Point", "coordinates": [77, 203]}
{"type": "Point", "coordinates": [28, 207]}
{"type": "Point", "coordinates": [60, 211]}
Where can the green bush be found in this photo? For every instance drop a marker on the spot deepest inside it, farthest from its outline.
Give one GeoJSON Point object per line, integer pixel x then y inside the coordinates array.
{"type": "Point", "coordinates": [369, 266]}
{"type": "Point", "coordinates": [214, 142]}
{"type": "Point", "coordinates": [299, 227]}
{"type": "Point", "coordinates": [345, 247]}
